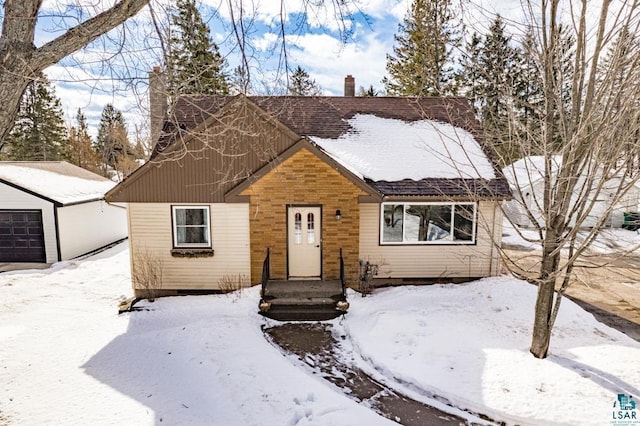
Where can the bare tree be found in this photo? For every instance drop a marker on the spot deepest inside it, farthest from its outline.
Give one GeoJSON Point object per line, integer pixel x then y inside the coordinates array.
{"type": "Point", "coordinates": [21, 60]}
{"type": "Point", "coordinates": [584, 142]}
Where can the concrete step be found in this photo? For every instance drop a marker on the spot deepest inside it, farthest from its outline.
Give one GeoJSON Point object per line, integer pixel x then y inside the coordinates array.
{"type": "Point", "coordinates": [303, 289]}
{"type": "Point", "coordinates": [301, 313]}
{"type": "Point", "coordinates": [304, 301]}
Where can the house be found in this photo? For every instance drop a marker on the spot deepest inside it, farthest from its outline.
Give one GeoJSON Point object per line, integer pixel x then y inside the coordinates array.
{"type": "Point", "coordinates": [526, 178]}
{"type": "Point", "coordinates": [53, 210]}
{"type": "Point", "coordinates": [406, 184]}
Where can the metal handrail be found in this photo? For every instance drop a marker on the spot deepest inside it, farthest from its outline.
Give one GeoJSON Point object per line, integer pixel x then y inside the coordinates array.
{"type": "Point", "coordinates": [266, 274]}
{"type": "Point", "coordinates": [344, 288]}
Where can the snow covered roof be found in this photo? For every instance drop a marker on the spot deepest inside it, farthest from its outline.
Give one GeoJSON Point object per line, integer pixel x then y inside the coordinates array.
{"type": "Point", "coordinates": [529, 170]}
{"type": "Point", "coordinates": [57, 181]}
{"type": "Point", "coordinates": [396, 146]}
{"type": "Point", "coordinates": [385, 149]}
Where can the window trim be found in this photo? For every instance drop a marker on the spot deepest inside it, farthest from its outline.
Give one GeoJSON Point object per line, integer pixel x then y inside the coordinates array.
{"type": "Point", "coordinates": [452, 204]}
{"type": "Point", "coordinates": [174, 227]}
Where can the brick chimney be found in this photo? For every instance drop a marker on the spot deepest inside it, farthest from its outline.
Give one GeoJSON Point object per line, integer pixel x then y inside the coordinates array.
{"type": "Point", "coordinates": [349, 85]}
{"type": "Point", "coordinates": [157, 103]}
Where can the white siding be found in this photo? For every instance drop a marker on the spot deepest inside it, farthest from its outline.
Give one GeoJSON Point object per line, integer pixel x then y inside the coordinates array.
{"type": "Point", "coordinates": [532, 199]}
{"type": "Point", "coordinates": [12, 198]}
{"type": "Point", "coordinates": [151, 230]}
{"type": "Point", "coordinates": [433, 261]}
{"type": "Point", "coordinates": [89, 226]}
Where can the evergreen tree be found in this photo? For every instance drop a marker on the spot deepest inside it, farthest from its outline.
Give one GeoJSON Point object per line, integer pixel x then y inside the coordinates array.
{"type": "Point", "coordinates": [194, 63]}
{"type": "Point", "coordinates": [79, 150]}
{"type": "Point", "coordinates": [369, 91]}
{"type": "Point", "coordinates": [619, 62]}
{"type": "Point", "coordinates": [301, 84]}
{"type": "Point", "coordinates": [488, 77]}
{"type": "Point", "coordinates": [471, 76]}
{"type": "Point", "coordinates": [564, 70]}
{"type": "Point", "coordinates": [497, 62]}
{"type": "Point", "coordinates": [239, 80]}
{"type": "Point", "coordinates": [528, 87]}
{"type": "Point", "coordinates": [422, 61]}
{"type": "Point", "coordinates": [39, 133]}
{"type": "Point", "coordinates": [112, 144]}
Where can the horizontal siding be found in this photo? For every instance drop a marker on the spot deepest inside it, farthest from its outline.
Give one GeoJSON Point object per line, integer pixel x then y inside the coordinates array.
{"type": "Point", "coordinates": [431, 261]}
{"type": "Point", "coordinates": [89, 226]}
{"type": "Point", "coordinates": [15, 199]}
{"type": "Point", "coordinates": [150, 229]}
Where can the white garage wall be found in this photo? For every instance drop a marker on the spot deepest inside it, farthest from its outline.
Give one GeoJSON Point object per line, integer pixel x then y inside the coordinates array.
{"type": "Point", "coordinates": [88, 226]}
{"type": "Point", "coordinates": [15, 199]}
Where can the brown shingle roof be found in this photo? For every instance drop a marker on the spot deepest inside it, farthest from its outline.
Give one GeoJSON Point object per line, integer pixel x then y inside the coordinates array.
{"type": "Point", "coordinates": [326, 117]}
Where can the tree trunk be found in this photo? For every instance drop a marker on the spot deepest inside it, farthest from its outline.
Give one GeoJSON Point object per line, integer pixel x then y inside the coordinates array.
{"type": "Point", "coordinates": [542, 323]}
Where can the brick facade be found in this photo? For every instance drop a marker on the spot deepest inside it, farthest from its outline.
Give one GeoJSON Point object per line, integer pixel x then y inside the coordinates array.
{"type": "Point", "coordinates": [304, 179]}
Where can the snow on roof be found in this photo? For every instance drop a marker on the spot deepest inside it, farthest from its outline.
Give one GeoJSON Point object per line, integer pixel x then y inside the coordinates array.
{"type": "Point", "coordinates": [56, 180]}
{"type": "Point", "coordinates": [529, 169]}
{"type": "Point", "coordinates": [392, 150]}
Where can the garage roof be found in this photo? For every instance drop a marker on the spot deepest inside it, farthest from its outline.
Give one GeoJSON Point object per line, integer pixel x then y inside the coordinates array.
{"type": "Point", "coordinates": [56, 181]}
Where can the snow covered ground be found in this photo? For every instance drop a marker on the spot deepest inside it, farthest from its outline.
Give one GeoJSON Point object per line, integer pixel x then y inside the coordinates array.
{"type": "Point", "coordinates": [66, 357]}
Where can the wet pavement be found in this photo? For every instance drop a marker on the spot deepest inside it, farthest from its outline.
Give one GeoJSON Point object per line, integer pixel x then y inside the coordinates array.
{"type": "Point", "coordinates": [318, 350]}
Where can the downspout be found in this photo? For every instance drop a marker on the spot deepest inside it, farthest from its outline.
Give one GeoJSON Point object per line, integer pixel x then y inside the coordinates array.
{"type": "Point", "coordinates": [492, 272]}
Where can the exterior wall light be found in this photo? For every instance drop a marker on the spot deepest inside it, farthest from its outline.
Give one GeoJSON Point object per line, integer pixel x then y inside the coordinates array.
{"type": "Point", "coordinates": [338, 214]}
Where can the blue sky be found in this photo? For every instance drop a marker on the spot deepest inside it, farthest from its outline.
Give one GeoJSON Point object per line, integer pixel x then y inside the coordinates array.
{"type": "Point", "coordinates": [313, 42]}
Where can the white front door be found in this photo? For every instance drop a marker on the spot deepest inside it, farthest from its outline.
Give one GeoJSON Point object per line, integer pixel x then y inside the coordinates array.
{"type": "Point", "coordinates": [304, 241]}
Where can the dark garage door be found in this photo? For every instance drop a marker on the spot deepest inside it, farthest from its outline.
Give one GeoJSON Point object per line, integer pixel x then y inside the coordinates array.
{"type": "Point", "coordinates": [21, 236]}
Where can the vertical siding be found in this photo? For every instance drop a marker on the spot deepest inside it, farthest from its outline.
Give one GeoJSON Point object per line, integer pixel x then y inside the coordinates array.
{"type": "Point", "coordinates": [89, 226]}
{"type": "Point", "coordinates": [12, 198]}
{"type": "Point", "coordinates": [216, 159]}
{"type": "Point", "coordinates": [151, 230]}
{"type": "Point", "coordinates": [432, 261]}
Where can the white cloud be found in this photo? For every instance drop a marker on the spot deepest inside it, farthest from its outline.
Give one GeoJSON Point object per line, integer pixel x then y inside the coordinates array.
{"type": "Point", "coordinates": [328, 60]}
{"type": "Point", "coordinates": [266, 42]}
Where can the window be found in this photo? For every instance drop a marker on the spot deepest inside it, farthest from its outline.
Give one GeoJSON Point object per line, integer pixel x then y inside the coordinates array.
{"type": "Point", "coordinates": [311, 233]}
{"type": "Point", "coordinates": [191, 226]}
{"type": "Point", "coordinates": [428, 223]}
{"type": "Point", "coordinates": [298, 228]}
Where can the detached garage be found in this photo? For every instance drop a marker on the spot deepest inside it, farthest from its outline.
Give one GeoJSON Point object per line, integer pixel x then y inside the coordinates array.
{"type": "Point", "coordinates": [53, 210]}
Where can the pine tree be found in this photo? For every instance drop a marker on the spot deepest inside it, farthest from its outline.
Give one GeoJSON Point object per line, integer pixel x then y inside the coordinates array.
{"type": "Point", "coordinates": [497, 62]}
{"type": "Point", "coordinates": [619, 62]}
{"type": "Point", "coordinates": [369, 91]}
{"type": "Point", "coordinates": [488, 78]}
{"type": "Point", "coordinates": [79, 150]}
{"type": "Point", "coordinates": [422, 61]}
{"type": "Point", "coordinates": [39, 133]}
{"type": "Point", "coordinates": [239, 80]}
{"type": "Point", "coordinates": [528, 87]}
{"type": "Point", "coordinates": [194, 63]}
{"type": "Point", "coordinates": [301, 84]}
{"type": "Point", "coordinates": [112, 144]}
{"type": "Point", "coordinates": [471, 76]}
